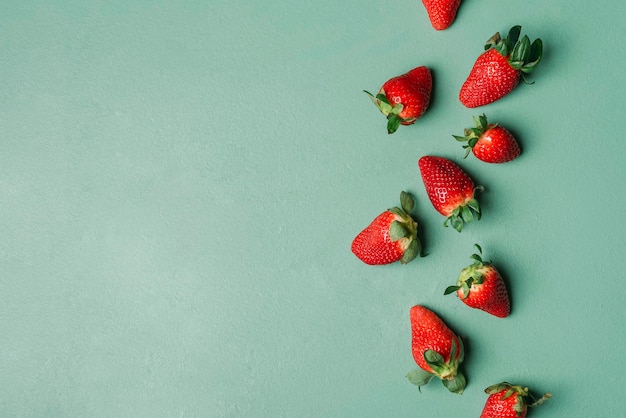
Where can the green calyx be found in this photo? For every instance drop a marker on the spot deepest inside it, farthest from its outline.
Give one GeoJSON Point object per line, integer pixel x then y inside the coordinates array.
{"type": "Point", "coordinates": [405, 228]}
{"type": "Point", "coordinates": [521, 54]}
{"type": "Point", "coordinates": [472, 135]}
{"type": "Point", "coordinates": [522, 395]}
{"type": "Point", "coordinates": [470, 275]}
{"type": "Point", "coordinates": [448, 372]}
{"type": "Point", "coordinates": [392, 112]}
{"type": "Point", "coordinates": [465, 213]}
{"type": "Point", "coordinates": [419, 377]}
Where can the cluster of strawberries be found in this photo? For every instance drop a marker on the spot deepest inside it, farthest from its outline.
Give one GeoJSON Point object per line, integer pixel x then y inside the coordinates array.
{"type": "Point", "coordinates": [392, 236]}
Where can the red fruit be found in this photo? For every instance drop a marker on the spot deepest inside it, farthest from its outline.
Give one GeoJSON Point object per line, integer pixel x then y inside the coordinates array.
{"type": "Point", "coordinates": [404, 98]}
{"type": "Point", "coordinates": [498, 70]}
{"type": "Point", "coordinates": [509, 401]}
{"type": "Point", "coordinates": [489, 142]}
{"type": "Point", "coordinates": [480, 286]}
{"type": "Point", "coordinates": [391, 236]}
{"type": "Point", "coordinates": [436, 350]}
{"type": "Point", "coordinates": [441, 12]}
{"type": "Point", "coordinates": [450, 190]}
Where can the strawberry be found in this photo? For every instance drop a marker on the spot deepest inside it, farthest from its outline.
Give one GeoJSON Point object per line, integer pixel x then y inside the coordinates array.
{"type": "Point", "coordinates": [489, 142]}
{"type": "Point", "coordinates": [497, 71]}
{"type": "Point", "coordinates": [450, 190]}
{"type": "Point", "coordinates": [509, 401]}
{"type": "Point", "coordinates": [436, 350]}
{"type": "Point", "coordinates": [391, 236]}
{"type": "Point", "coordinates": [404, 98]}
{"type": "Point", "coordinates": [441, 12]}
{"type": "Point", "coordinates": [480, 286]}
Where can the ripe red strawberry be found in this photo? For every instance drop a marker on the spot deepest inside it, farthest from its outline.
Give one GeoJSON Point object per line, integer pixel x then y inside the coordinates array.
{"type": "Point", "coordinates": [509, 401]}
{"type": "Point", "coordinates": [436, 350]}
{"type": "Point", "coordinates": [498, 70]}
{"type": "Point", "coordinates": [391, 236]}
{"type": "Point", "coordinates": [404, 98]}
{"type": "Point", "coordinates": [450, 190]}
{"type": "Point", "coordinates": [489, 142]}
{"type": "Point", "coordinates": [480, 286]}
{"type": "Point", "coordinates": [441, 12]}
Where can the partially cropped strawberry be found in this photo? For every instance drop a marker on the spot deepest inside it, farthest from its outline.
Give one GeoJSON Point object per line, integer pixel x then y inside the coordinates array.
{"type": "Point", "coordinates": [436, 350]}
{"type": "Point", "coordinates": [404, 98]}
{"type": "Point", "coordinates": [450, 190]}
{"type": "Point", "coordinates": [497, 71]}
{"type": "Point", "coordinates": [392, 236]}
{"type": "Point", "coordinates": [480, 286]}
{"type": "Point", "coordinates": [489, 142]}
{"type": "Point", "coordinates": [509, 401]}
{"type": "Point", "coordinates": [441, 12]}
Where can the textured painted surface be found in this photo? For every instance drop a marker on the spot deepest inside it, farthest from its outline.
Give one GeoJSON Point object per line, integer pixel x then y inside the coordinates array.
{"type": "Point", "coordinates": [180, 183]}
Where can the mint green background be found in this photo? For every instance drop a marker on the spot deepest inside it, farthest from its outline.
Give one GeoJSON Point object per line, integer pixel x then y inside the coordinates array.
{"type": "Point", "coordinates": [180, 183]}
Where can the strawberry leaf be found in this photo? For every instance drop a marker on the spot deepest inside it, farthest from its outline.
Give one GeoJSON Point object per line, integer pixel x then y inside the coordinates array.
{"type": "Point", "coordinates": [436, 363]}
{"type": "Point", "coordinates": [453, 349]}
{"type": "Point", "coordinates": [397, 231]}
{"type": "Point", "coordinates": [385, 107]}
{"type": "Point", "coordinates": [397, 108]}
{"type": "Point", "coordinates": [382, 102]}
{"type": "Point", "coordinates": [371, 96]}
{"type": "Point", "coordinates": [455, 221]}
{"type": "Point", "coordinates": [457, 384]}
{"type": "Point", "coordinates": [419, 377]}
{"type": "Point", "coordinates": [513, 35]}
{"type": "Point", "coordinates": [413, 250]}
{"type": "Point", "coordinates": [393, 123]}
{"type": "Point", "coordinates": [493, 42]}
{"type": "Point", "coordinates": [526, 69]}
{"type": "Point", "coordinates": [450, 289]}
{"type": "Point", "coordinates": [536, 51]}
{"type": "Point", "coordinates": [397, 211]}
{"type": "Point", "coordinates": [473, 204]}
{"type": "Point", "coordinates": [465, 288]}
{"type": "Point", "coordinates": [519, 404]}
{"type": "Point", "coordinates": [433, 358]}
{"type": "Point", "coordinates": [461, 351]}
{"type": "Point", "coordinates": [466, 214]}
{"type": "Point", "coordinates": [407, 202]}
{"type": "Point", "coordinates": [508, 393]}
{"type": "Point", "coordinates": [498, 387]}
{"type": "Point", "coordinates": [521, 51]}
{"type": "Point", "coordinates": [502, 48]}
{"type": "Point", "coordinates": [482, 122]}
{"type": "Point", "coordinates": [382, 98]}
{"type": "Point", "coordinates": [479, 278]}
